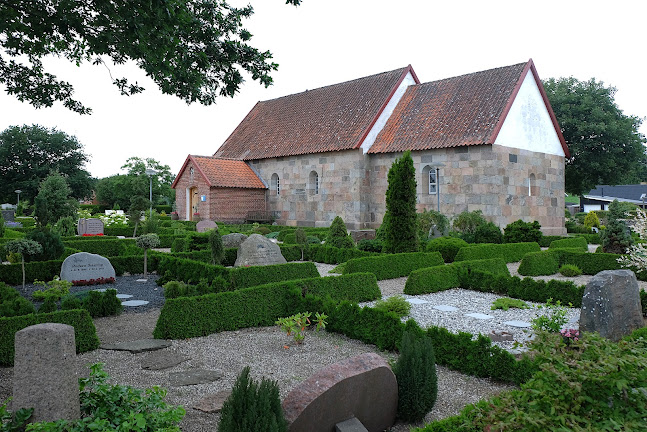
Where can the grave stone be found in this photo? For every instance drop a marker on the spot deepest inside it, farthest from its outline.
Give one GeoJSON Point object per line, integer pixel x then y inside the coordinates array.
{"type": "Point", "coordinates": [611, 304]}
{"type": "Point", "coordinates": [162, 359]}
{"type": "Point", "coordinates": [233, 240]}
{"type": "Point", "coordinates": [89, 226]}
{"type": "Point", "coordinates": [9, 215]}
{"type": "Point", "coordinates": [194, 377]}
{"type": "Point", "coordinates": [205, 225]}
{"type": "Point", "coordinates": [212, 403]}
{"type": "Point", "coordinates": [86, 266]}
{"type": "Point", "coordinates": [362, 386]}
{"type": "Point", "coordinates": [358, 235]}
{"type": "Point", "coordinates": [258, 250]}
{"type": "Point", "coordinates": [44, 375]}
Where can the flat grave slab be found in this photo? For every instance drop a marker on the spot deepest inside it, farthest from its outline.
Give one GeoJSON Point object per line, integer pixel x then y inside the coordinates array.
{"type": "Point", "coordinates": [159, 360]}
{"type": "Point", "coordinates": [445, 308]}
{"type": "Point", "coordinates": [415, 301]}
{"type": "Point", "coordinates": [142, 280]}
{"type": "Point", "coordinates": [138, 346]}
{"type": "Point", "coordinates": [517, 323]}
{"type": "Point", "coordinates": [134, 303]}
{"type": "Point", "coordinates": [479, 316]}
{"type": "Point", "coordinates": [124, 296]}
{"type": "Point", "coordinates": [212, 403]}
{"type": "Point", "coordinates": [194, 377]}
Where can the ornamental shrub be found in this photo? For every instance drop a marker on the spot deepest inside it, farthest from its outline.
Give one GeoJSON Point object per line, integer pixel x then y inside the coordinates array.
{"type": "Point", "coordinates": [50, 242]}
{"type": "Point", "coordinates": [396, 304]}
{"type": "Point", "coordinates": [488, 233]}
{"type": "Point", "coordinates": [102, 304]}
{"type": "Point", "coordinates": [511, 252]}
{"type": "Point", "coordinates": [338, 235]}
{"type": "Point", "coordinates": [370, 245]}
{"type": "Point", "coordinates": [506, 303]}
{"type": "Point", "coordinates": [571, 242]}
{"type": "Point", "coordinates": [415, 371]}
{"type": "Point", "coordinates": [252, 407]}
{"type": "Point", "coordinates": [431, 223]}
{"type": "Point", "coordinates": [542, 263]}
{"type": "Point", "coordinates": [616, 238]}
{"type": "Point", "coordinates": [591, 220]}
{"type": "Point", "coordinates": [65, 226]}
{"type": "Point", "coordinates": [466, 223]}
{"type": "Point", "coordinates": [12, 303]}
{"type": "Point", "coordinates": [394, 265]}
{"type": "Point", "coordinates": [49, 305]}
{"type": "Point", "coordinates": [216, 246]}
{"type": "Point", "coordinates": [522, 232]}
{"type": "Point", "coordinates": [570, 270]}
{"type": "Point", "coordinates": [401, 229]}
{"type": "Point", "coordinates": [447, 246]}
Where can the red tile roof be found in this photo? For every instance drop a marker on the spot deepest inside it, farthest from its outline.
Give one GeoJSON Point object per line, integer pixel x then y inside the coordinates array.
{"type": "Point", "coordinates": [331, 118]}
{"type": "Point", "coordinates": [221, 172]}
{"type": "Point", "coordinates": [452, 112]}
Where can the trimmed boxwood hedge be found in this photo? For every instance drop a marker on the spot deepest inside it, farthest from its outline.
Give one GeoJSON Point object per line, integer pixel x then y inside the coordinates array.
{"type": "Point", "coordinates": [357, 287]}
{"type": "Point", "coordinates": [243, 277]}
{"type": "Point", "coordinates": [103, 247]}
{"type": "Point", "coordinates": [572, 242]}
{"type": "Point", "coordinates": [85, 334]}
{"type": "Point", "coordinates": [434, 279]}
{"type": "Point", "coordinates": [333, 255]}
{"type": "Point", "coordinates": [545, 241]}
{"type": "Point", "coordinates": [542, 263]}
{"type": "Point", "coordinates": [510, 252]}
{"type": "Point", "coordinates": [393, 265]}
{"type": "Point", "coordinates": [187, 270]}
{"type": "Point", "coordinates": [590, 238]}
{"type": "Point", "coordinates": [539, 264]}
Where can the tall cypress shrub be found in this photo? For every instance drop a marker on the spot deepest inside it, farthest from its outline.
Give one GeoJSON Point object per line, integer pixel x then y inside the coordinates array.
{"type": "Point", "coordinates": [252, 407]}
{"type": "Point", "coordinates": [216, 246]}
{"type": "Point", "coordinates": [415, 371]}
{"type": "Point", "coordinates": [338, 235]}
{"type": "Point", "coordinates": [616, 238]}
{"type": "Point", "coordinates": [401, 230]}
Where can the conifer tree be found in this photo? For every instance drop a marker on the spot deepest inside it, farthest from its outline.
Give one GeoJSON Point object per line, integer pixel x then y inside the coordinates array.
{"type": "Point", "coordinates": [401, 230]}
{"type": "Point", "coordinates": [338, 234]}
{"type": "Point", "coordinates": [616, 238]}
{"type": "Point", "coordinates": [215, 244]}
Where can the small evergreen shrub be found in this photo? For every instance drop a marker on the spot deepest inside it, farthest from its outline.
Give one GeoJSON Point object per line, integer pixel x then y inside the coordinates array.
{"type": "Point", "coordinates": [396, 304]}
{"type": "Point", "coordinates": [506, 303]}
{"type": "Point", "coordinates": [570, 270]}
{"type": "Point", "coordinates": [252, 407]}
{"type": "Point", "coordinates": [370, 245]}
{"type": "Point", "coordinates": [216, 247]}
{"type": "Point", "coordinates": [290, 238]}
{"type": "Point", "coordinates": [102, 304]}
{"type": "Point", "coordinates": [542, 263]}
{"type": "Point", "coordinates": [447, 246]}
{"type": "Point", "coordinates": [12, 303]}
{"type": "Point", "coordinates": [431, 223]}
{"type": "Point", "coordinates": [51, 243]}
{"type": "Point", "coordinates": [415, 372]}
{"type": "Point", "coordinates": [175, 289]}
{"type": "Point", "coordinates": [338, 235]}
{"type": "Point", "coordinates": [393, 265]}
{"type": "Point", "coordinates": [488, 233]}
{"type": "Point", "coordinates": [70, 302]}
{"type": "Point", "coordinates": [466, 224]}
{"type": "Point", "coordinates": [522, 232]}
{"type": "Point", "coordinates": [571, 242]}
{"type": "Point", "coordinates": [401, 230]}
{"type": "Point", "coordinates": [48, 306]}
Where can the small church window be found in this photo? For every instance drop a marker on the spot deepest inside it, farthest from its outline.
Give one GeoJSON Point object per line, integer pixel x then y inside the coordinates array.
{"type": "Point", "coordinates": [313, 183]}
{"type": "Point", "coordinates": [275, 184]}
{"type": "Point", "coordinates": [531, 183]}
{"type": "Point", "coordinates": [433, 181]}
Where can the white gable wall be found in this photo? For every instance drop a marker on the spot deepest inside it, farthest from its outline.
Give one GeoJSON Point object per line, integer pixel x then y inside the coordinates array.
{"type": "Point", "coordinates": [382, 119]}
{"type": "Point", "coordinates": [528, 125]}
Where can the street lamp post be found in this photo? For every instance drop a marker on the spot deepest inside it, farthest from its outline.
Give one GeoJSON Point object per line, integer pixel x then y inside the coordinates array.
{"type": "Point", "coordinates": [18, 191]}
{"type": "Point", "coordinates": [150, 172]}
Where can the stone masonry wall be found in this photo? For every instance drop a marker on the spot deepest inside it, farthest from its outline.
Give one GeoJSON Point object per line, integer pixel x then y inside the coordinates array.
{"type": "Point", "coordinates": [341, 178]}
{"type": "Point", "coordinates": [493, 179]}
{"type": "Point", "coordinates": [232, 205]}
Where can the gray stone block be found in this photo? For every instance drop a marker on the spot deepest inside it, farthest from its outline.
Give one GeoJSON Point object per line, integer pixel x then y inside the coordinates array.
{"type": "Point", "coordinates": [44, 374]}
{"type": "Point", "coordinates": [86, 266]}
{"type": "Point", "coordinates": [350, 425]}
{"type": "Point", "coordinates": [259, 250]}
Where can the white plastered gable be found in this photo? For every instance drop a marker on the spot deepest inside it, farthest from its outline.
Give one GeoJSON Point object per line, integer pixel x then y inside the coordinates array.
{"type": "Point", "coordinates": [528, 125]}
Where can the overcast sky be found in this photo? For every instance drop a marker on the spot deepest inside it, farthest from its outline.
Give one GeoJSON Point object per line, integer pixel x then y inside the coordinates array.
{"type": "Point", "coordinates": [325, 42]}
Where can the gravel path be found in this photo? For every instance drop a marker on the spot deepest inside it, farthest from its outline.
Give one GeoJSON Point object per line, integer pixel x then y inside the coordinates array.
{"type": "Point", "coordinates": [264, 350]}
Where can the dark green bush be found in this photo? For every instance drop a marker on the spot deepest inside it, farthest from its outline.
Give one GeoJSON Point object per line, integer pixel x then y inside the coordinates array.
{"type": "Point", "coordinates": [216, 247]}
{"type": "Point", "coordinates": [396, 304]}
{"type": "Point", "coordinates": [332, 255]}
{"type": "Point", "coordinates": [118, 230]}
{"type": "Point", "coordinates": [36, 270]}
{"type": "Point", "coordinates": [48, 306]}
{"type": "Point", "coordinates": [415, 372]}
{"type": "Point", "coordinates": [12, 303]}
{"type": "Point", "coordinates": [393, 266]}
{"type": "Point", "coordinates": [85, 334]}
{"type": "Point", "coordinates": [252, 407]}
{"type": "Point", "coordinates": [573, 242]}
{"type": "Point", "coordinates": [370, 245]}
{"type": "Point", "coordinates": [357, 287]}
{"type": "Point", "coordinates": [589, 263]}
{"type": "Point", "coordinates": [102, 304]}
{"type": "Point", "coordinates": [488, 233]}
{"type": "Point", "coordinates": [338, 235]}
{"type": "Point", "coordinates": [102, 246]}
{"type": "Point", "coordinates": [466, 224]}
{"type": "Point", "coordinates": [243, 277]}
{"type": "Point", "coordinates": [447, 246]}
{"type": "Point", "coordinates": [546, 240]}
{"type": "Point", "coordinates": [50, 241]}
{"type": "Point", "coordinates": [187, 270]}
{"type": "Point", "coordinates": [570, 270]}
{"type": "Point", "coordinates": [290, 239]}
{"type": "Point", "coordinates": [590, 238]}
{"type": "Point", "coordinates": [70, 302]}
{"type": "Point", "coordinates": [522, 232]}
{"type": "Point", "coordinates": [539, 264]}
{"type": "Point", "coordinates": [510, 252]}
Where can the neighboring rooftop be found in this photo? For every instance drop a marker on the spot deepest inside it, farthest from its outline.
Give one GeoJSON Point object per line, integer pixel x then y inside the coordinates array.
{"type": "Point", "coordinates": [221, 172]}
{"type": "Point", "coordinates": [627, 193]}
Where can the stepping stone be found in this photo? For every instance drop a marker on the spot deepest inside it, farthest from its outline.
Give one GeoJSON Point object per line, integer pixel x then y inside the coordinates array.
{"type": "Point", "coordinates": [445, 308]}
{"type": "Point", "coordinates": [350, 425]}
{"type": "Point", "coordinates": [138, 346]}
{"type": "Point", "coordinates": [479, 316]}
{"type": "Point", "coordinates": [123, 296]}
{"type": "Point", "coordinates": [159, 360]}
{"type": "Point", "coordinates": [415, 301]}
{"type": "Point", "coordinates": [142, 280]}
{"type": "Point", "coordinates": [500, 336]}
{"type": "Point", "coordinates": [194, 377]}
{"type": "Point", "coordinates": [100, 290]}
{"type": "Point", "coordinates": [134, 303]}
{"type": "Point", "coordinates": [516, 323]}
{"type": "Point", "coordinates": [212, 403]}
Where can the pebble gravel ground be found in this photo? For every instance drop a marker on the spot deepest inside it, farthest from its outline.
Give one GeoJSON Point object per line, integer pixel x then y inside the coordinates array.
{"type": "Point", "coordinates": [264, 349]}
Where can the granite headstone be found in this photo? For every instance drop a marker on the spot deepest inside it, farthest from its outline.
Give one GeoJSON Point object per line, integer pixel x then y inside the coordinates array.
{"type": "Point", "coordinates": [205, 225]}
{"type": "Point", "coordinates": [258, 250]}
{"type": "Point", "coordinates": [86, 266]}
{"type": "Point", "coordinates": [90, 226]}
{"type": "Point", "coordinates": [233, 240]}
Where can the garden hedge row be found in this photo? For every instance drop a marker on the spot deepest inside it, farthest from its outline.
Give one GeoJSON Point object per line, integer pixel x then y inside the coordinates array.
{"type": "Point", "coordinates": [590, 238]}
{"type": "Point", "coordinates": [333, 255]}
{"type": "Point", "coordinates": [321, 233]}
{"type": "Point", "coordinates": [545, 241]}
{"type": "Point", "coordinates": [572, 242]}
{"type": "Point", "coordinates": [126, 231]}
{"type": "Point", "coordinates": [244, 277]}
{"type": "Point", "coordinates": [104, 247]}
{"type": "Point", "coordinates": [441, 278]}
{"type": "Point", "coordinates": [548, 262]}
{"type": "Point", "coordinates": [510, 252]}
{"type": "Point", "coordinates": [394, 265]}
{"type": "Point", "coordinates": [188, 270]}
{"type": "Point", "coordinates": [85, 334]}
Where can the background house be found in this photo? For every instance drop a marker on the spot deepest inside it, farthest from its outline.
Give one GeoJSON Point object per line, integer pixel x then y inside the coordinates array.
{"type": "Point", "coordinates": [603, 195]}
{"type": "Point", "coordinates": [484, 141]}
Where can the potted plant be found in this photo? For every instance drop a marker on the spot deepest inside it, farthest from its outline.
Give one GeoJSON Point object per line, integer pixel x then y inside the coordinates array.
{"type": "Point", "coordinates": [196, 217]}
{"type": "Point", "coordinates": [174, 215]}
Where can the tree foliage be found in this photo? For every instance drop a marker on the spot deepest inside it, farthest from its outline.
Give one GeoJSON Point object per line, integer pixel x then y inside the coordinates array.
{"type": "Point", "coordinates": [338, 234]}
{"type": "Point", "coordinates": [616, 238]}
{"type": "Point", "coordinates": [216, 246]}
{"type": "Point", "coordinates": [605, 145]}
{"type": "Point", "coordinates": [29, 153]}
{"type": "Point", "coordinates": [54, 200]}
{"type": "Point", "coordinates": [402, 229]}
{"type": "Point", "coordinates": [194, 49]}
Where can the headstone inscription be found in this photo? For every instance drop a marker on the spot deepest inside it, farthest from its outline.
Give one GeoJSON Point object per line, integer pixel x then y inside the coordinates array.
{"type": "Point", "coordinates": [258, 250]}
{"type": "Point", "coordinates": [90, 226]}
{"type": "Point", "coordinates": [86, 266]}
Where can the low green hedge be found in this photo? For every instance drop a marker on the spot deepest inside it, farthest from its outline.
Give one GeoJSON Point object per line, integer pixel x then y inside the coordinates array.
{"type": "Point", "coordinates": [510, 252]}
{"type": "Point", "coordinates": [590, 238]}
{"type": "Point", "coordinates": [292, 252]}
{"type": "Point", "coordinates": [572, 242]}
{"type": "Point", "coordinates": [290, 238]}
{"type": "Point", "coordinates": [394, 265]}
{"type": "Point", "coordinates": [333, 255]}
{"type": "Point", "coordinates": [357, 287]}
{"type": "Point", "coordinates": [11, 274]}
{"type": "Point", "coordinates": [545, 241]}
{"type": "Point", "coordinates": [243, 277]}
{"type": "Point", "coordinates": [103, 247]}
{"type": "Point", "coordinates": [589, 263]}
{"type": "Point", "coordinates": [187, 317]}
{"type": "Point", "coordinates": [126, 231]}
{"type": "Point", "coordinates": [434, 279]}
{"type": "Point", "coordinates": [85, 334]}
{"type": "Point", "coordinates": [539, 263]}
{"type": "Point", "coordinates": [188, 270]}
